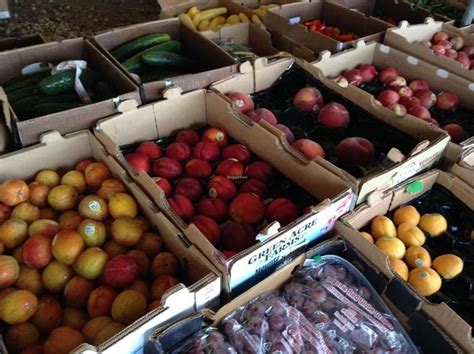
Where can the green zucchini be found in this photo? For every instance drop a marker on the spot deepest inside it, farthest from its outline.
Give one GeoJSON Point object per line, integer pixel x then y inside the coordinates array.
{"type": "Point", "coordinates": [42, 109]}
{"type": "Point", "coordinates": [138, 44]}
{"type": "Point", "coordinates": [158, 75]}
{"type": "Point", "coordinates": [22, 93]}
{"type": "Point", "coordinates": [25, 107]}
{"type": "Point", "coordinates": [8, 85]}
{"type": "Point", "coordinates": [63, 81]}
{"type": "Point", "coordinates": [168, 61]}
{"type": "Point", "coordinates": [135, 65]}
{"type": "Point", "coordinates": [22, 84]}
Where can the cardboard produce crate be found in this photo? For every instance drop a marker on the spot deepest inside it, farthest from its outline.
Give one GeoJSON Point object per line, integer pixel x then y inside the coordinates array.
{"type": "Point", "coordinates": [59, 153]}
{"type": "Point", "coordinates": [381, 56]}
{"type": "Point", "coordinates": [10, 43]}
{"type": "Point", "coordinates": [465, 168]}
{"type": "Point", "coordinates": [428, 337]}
{"type": "Point", "coordinates": [441, 314]}
{"type": "Point", "coordinates": [172, 8]}
{"type": "Point", "coordinates": [278, 244]}
{"type": "Point", "coordinates": [288, 20]}
{"type": "Point", "coordinates": [405, 35]}
{"type": "Point", "coordinates": [214, 64]}
{"type": "Point", "coordinates": [83, 117]}
{"type": "Point", "coordinates": [431, 141]}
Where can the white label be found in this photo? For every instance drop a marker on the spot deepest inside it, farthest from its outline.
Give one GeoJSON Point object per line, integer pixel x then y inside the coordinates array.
{"type": "Point", "coordinates": [279, 247]}
{"type": "Point", "coordinates": [94, 205]}
{"type": "Point", "coordinates": [89, 230]}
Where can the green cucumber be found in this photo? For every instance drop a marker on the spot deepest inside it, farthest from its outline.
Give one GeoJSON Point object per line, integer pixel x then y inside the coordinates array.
{"type": "Point", "coordinates": [104, 91]}
{"type": "Point", "coordinates": [158, 75]}
{"type": "Point", "coordinates": [63, 81]}
{"type": "Point", "coordinates": [8, 85]}
{"type": "Point", "coordinates": [25, 107]}
{"type": "Point", "coordinates": [166, 60]}
{"type": "Point", "coordinates": [138, 44]}
{"type": "Point", "coordinates": [22, 84]}
{"type": "Point", "coordinates": [135, 65]}
{"type": "Point", "coordinates": [42, 109]}
{"type": "Point", "coordinates": [22, 93]}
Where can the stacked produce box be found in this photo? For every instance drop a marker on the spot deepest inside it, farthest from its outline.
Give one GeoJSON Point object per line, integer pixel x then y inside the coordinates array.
{"type": "Point", "coordinates": [232, 197]}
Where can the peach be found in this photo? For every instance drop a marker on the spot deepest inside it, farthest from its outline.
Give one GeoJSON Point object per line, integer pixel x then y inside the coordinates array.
{"type": "Point", "coordinates": [126, 231]}
{"type": "Point", "coordinates": [438, 50]}
{"type": "Point", "coordinates": [18, 306]}
{"type": "Point", "coordinates": [161, 285]}
{"type": "Point", "coordinates": [391, 246]}
{"type": "Point", "coordinates": [399, 267]}
{"type": "Point", "coordinates": [13, 192]}
{"type": "Point", "coordinates": [368, 72]}
{"type": "Point", "coordinates": [139, 162]}
{"type": "Point", "coordinates": [427, 98]}
{"type": "Point", "coordinates": [26, 211]}
{"type": "Point", "coordinates": [381, 226]}
{"type": "Point", "coordinates": [91, 263]}
{"type": "Point", "coordinates": [187, 136]}
{"type": "Point", "coordinates": [440, 36]}
{"type": "Point", "coordinates": [217, 136]}
{"type": "Point", "coordinates": [29, 279]}
{"type": "Point", "coordinates": [9, 271]}
{"type": "Point", "coordinates": [20, 336]}
{"type": "Point", "coordinates": [409, 102]}
{"type": "Point", "coordinates": [121, 271]}
{"type": "Point", "coordinates": [388, 74]}
{"type": "Point", "coordinates": [238, 152]}
{"type": "Point", "coordinates": [165, 263]}
{"type": "Point", "coordinates": [74, 318]}
{"type": "Point", "coordinates": [448, 265]}
{"type": "Point", "coordinates": [396, 82]}
{"type": "Point", "coordinates": [259, 170]}
{"type": "Point", "coordinates": [178, 151]}
{"type": "Point", "coordinates": [77, 291]}
{"type": "Point", "coordinates": [113, 249]}
{"type": "Point", "coordinates": [141, 287]}
{"type": "Point", "coordinates": [406, 214]}
{"type": "Point", "coordinates": [241, 101]}
{"type": "Point", "coordinates": [33, 349]}
{"type": "Point", "coordinates": [93, 207]}
{"type": "Point", "coordinates": [189, 187]}
{"type": "Point", "coordinates": [153, 305]}
{"type": "Point", "coordinates": [38, 194]}
{"type": "Point", "coordinates": [238, 236]}
{"type": "Point", "coordinates": [143, 262]}
{"type": "Point", "coordinates": [128, 307]}
{"type": "Point", "coordinates": [434, 224]}
{"type": "Point", "coordinates": [451, 53]}
{"type": "Point", "coordinates": [309, 148]}
{"type": "Point", "coordinates": [206, 151]}
{"type": "Point", "coordinates": [150, 149]}
{"type": "Point", "coordinates": [48, 213]}
{"type": "Point", "coordinates": [94, 326]}
{"type": "Point", "coordinates": [419, 85]}
{"type": "Point", "coordinates": [287, 132]}
{"type": "Point", "coordinates": [67, 245]}
{"type": "Point", "coordinates": [100, 301]}
{"type": "Point", "coordinates": [355, 151]}
{"type": "Point", "coordinates": [455, 131]}
{"type": "Point", "coordinates": [354, 77]}
{"type": "Point", "coordinates": [93, 233]}
{"type": "Point", "coordinates": [76, 179]}
{"type": "Point", "coordinates": [13, 233]}
{"type": "Point", "coordinates": [110, 330]}
{"type": "Point", "coordinates": [164, 185]}
{"type": "Point", "coordinates": [36, 251]}
{"type": "Point", "coordinates": [96, 173]}
{"type": "Point", "coordinates": [256, 187]}
{"type": "Point", "coordinates": [167, 168]}
{"type": "Point", "coordinates": [81, 165]}
{"type": "Point", "coordinates": [150, 243]}
{"type": "Point", "coordinates": [55, 276]}
{"type": "Point", "coordinates": [63, 197]}
{"type": "Point", "coordinates": [398, 109]}
{"type": "Point", "coordinates": [465, 62]}
{"type": "Point", "coordinates": [411, 235]}
{"type": "Point", "coordinates": [48, 315]}
{"type": "Point", "coordinates": [308, 99]}
{"type": "Point", "coordinates": [122, 205]}
{"type": "Point", "coordinates": [5, 292]}
{"type": "Point", "coordinates": [388, 97]}
{"type": "Point", "coordinates": [43, 226]}
{"type": "Point", "coordinates": [110, 187]}
{"type": "Point", "coordinates": [447, 102]}
{"type": "Point", "coordinates": [197, 168]}
{"type": "Point", "coordinates": [420, 112]}
{"type": "Point", "coordinates": [49, 177]}
{"type": "Point", "coordinates": [425, 281]}
{"type": "Point", "coordinates": [262, 114]}
{"type": "Point", "coordinates": [221, 187]}
{"type": "Point", "coordinates": [404, 91]}
{"type": "Point", "coordinates": [208, 228]}
{"type": "Point", "coordinates": [63, 340]}
{"type": "Point", "coordinates": [334, 115]}
{"type": "Point", "coordinates": [230, 168]}
{"type": "Point", "coordinates": [213, 208]}
{"type": "Point", "coordinates": [282, 210]}
{"type": "Point", "coordinates": [5, 212]}
{"type": "Point", "coordinates": [247, 207]}
{"type": "Point", "coordinates": [69, 220]}
{"type": "Point", "coordinates": [367, 236]}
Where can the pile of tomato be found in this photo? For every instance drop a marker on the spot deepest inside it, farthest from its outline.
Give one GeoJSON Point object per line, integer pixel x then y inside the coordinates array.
{"type": "Point", "coordinates": [333, 32]}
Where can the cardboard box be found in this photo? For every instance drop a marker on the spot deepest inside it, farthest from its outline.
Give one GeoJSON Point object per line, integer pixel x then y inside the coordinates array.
{"type": "Point", "coordinates": [288, 20]}
{"type": "Point", "coordinates": [441, 314]}
{"type": "Point", "coordinates": [426, 153]}
{"type": "Point", "coordinates": [172, 8]}
{"type": "Point", "coordinates": [214, 63]}
{"type": "Point", "coordinates": [394, 9]}
{"type": "Point", "coordinates": [465, 168]}
{"type": "Point", "coordinates": [198, 109]}
{"type": "Point", "coordinates": [62, 153]}
{"type": "Point", "coordinates": [250, 35]}
{"type": "Point", "coordinates": [424, 333]}
{"type": "Point", "coordinates": [405, 35]}
{"type": "Point", "coordinates": [29, 131]}
{"type": "Point", "coordinates": [10, 43]}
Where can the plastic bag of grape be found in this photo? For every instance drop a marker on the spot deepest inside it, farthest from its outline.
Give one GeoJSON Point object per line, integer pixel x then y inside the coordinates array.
{"type": "Point", "coordinates": [207, 340]}
{"type": "Point", "coordinates": [334, 296]}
